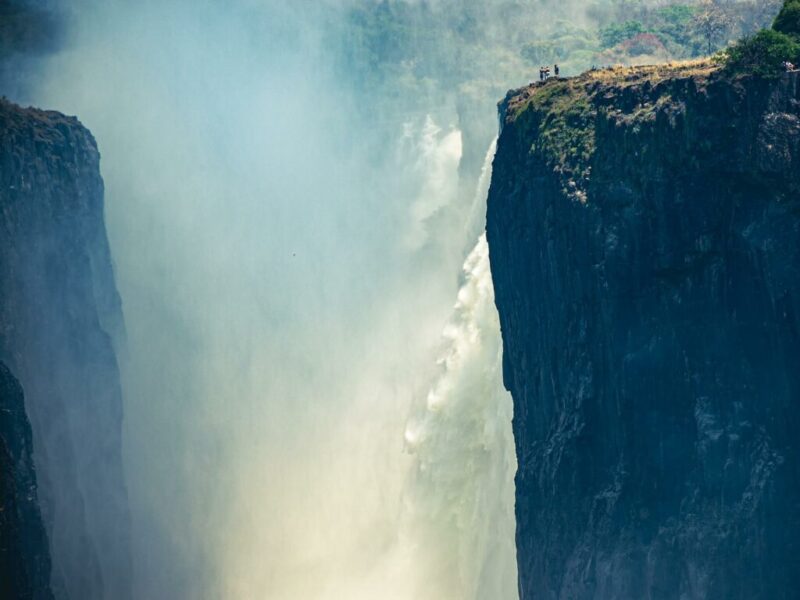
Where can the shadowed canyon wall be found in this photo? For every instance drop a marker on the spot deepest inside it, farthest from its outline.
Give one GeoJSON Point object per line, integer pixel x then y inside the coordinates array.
{"type": "Point", "coordinates": [59, 310]}
{"type": "Point", "coordinates": [644, 230]}
{"type": "Point", "coordinates": [24, 555]}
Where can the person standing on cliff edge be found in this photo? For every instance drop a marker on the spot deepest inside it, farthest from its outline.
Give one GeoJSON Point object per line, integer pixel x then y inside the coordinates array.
{"type": "Point", "coordinates": [556, 70]}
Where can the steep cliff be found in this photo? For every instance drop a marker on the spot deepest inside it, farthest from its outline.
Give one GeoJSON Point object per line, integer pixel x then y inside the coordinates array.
{"type": "Point", "coordinates": [24, 555]}
{"type": "Point", "coordinates": [644, 230]}
{"type": "Point", "coordinates": [58, 312]}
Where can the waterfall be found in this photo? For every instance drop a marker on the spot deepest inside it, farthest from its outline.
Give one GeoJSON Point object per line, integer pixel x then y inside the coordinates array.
{"type": "Point", "coordinates": [286, 275]}
{"type": "Point", "coordinates": [476, 219]}
{"type": "Point", "coordinates": [453, 538]}
{"type": "Point", "coordinates": [460, 498]}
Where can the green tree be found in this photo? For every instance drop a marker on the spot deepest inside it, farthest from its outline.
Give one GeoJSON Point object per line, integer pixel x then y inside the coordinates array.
{"type": "Point", "coordinates": [673, 25]}
{"type": "Point", "coordinates": [788, 20]}
{"type": "Point", "coordinates": [763, 53]}
{"type": "Point", "coordinates": [617, 33]}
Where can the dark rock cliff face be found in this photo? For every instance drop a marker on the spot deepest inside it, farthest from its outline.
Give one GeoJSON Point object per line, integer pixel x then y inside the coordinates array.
{"type": "Point", "coordinates": [24, 555]}
{"type": "Point", "coordinates": [58, 312]}
{"type": "Point", "coordinates": [644, 230]}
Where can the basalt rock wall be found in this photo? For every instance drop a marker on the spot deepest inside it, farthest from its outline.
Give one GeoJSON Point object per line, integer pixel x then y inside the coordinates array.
{"type": "Point", "coordinates": [24, 554]}
{"type": "Point", "coordinates": [644, 231]}
{"type": "Point", "coordinates": [59, 316]}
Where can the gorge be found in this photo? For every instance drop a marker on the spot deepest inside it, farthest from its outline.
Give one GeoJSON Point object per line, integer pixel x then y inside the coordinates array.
{"type": "Point", "coordinates": [313, 328]}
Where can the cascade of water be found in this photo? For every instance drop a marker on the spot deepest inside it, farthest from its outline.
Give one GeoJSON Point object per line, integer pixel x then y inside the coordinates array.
{"type": "Point", "coordinates": [476, 219]}
{"type": "Point", "coordinates": [454, 537]}
{"type": "Point", "coordinates": [459, 502]}
{"type": "Point", "coordinates": [284, 291]}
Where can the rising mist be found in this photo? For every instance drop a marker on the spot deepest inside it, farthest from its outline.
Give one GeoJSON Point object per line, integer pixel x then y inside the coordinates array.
{"type": "Point", "coordinates": [285, 286]}
{"type": "Point", "coordinates": [295, 202]}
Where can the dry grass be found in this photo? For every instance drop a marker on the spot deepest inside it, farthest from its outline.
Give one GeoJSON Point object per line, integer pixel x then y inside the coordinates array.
{"type": "Point", "coordinates": [559, 115]}
{"type": "Point", "coordinates": [618, 76]}
{"type": "Point", "coordinates": [622, 76]}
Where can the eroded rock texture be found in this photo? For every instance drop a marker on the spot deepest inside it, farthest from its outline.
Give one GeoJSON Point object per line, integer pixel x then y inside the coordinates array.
{"type": "Point", "coordinates": [24, 555]}
{"type": "Point", "coordinates": [58, 312]}
{"type": "Point", "coordinates": [644, 229]}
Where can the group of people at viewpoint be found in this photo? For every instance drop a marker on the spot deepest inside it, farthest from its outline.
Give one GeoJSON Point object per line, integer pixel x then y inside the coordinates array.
{"type": "Point", "coordinates": [544, 72]}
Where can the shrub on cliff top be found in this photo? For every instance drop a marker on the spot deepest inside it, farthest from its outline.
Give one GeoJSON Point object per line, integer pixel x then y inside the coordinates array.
{"type": "Point", "coordinates": [762, 54]}
{"type": "Point", "coordinates": [788, 20]}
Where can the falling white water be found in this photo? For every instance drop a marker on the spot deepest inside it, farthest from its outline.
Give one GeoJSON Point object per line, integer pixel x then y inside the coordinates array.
{"type": "Point", "coordinates": [461, 501]}
{"type": "Point", "coordinates": [459, 505]}
{"type": "Point", "coordinates": [476, 220]}
{"type": "Point", "coordinates": [285, 290]}
{"type": "Point", "coordinates": [454, 535]}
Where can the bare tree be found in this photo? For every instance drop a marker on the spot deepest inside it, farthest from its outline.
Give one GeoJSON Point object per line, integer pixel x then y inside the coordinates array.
{"type": "Point", "coordinates": [712, 22]}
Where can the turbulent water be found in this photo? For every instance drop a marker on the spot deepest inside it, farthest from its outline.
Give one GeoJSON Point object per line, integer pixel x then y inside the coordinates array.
{"type": "Point", "coordinates": [456, 532]}
{"type": "Point", "coordinates": [463, 448]}
{"type": "Point", "coordinates": [460, 504]}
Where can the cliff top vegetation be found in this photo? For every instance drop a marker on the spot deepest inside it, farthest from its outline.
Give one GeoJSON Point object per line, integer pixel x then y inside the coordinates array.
{"type": "Point", "coordinates": [767, 52]}
{"type": "Point", "coordinates": [561, 115]}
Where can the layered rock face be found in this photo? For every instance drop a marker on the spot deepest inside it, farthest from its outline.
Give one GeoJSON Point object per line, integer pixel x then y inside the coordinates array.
{"type": "Point", "coordinates": [58, 312]}
{"type": "Point", "coordinates": [644, 230]}
{"type": "Point", "coordinates": [24, 555]}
